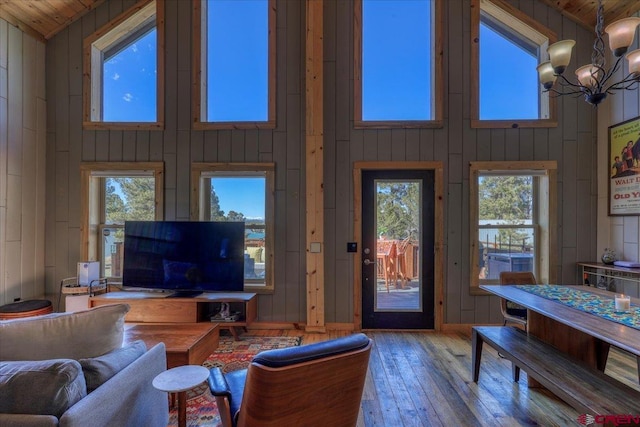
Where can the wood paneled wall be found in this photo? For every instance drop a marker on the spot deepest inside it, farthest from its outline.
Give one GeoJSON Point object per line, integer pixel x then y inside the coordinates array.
{"type": "Point", "coordinates": [22, 165]}
{"type": "Point", "coordinates": [571, 144]}
{"type": "Point", "coordinates": [621, 233]}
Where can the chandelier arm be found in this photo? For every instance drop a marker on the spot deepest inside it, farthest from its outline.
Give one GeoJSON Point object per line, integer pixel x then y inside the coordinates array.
{"type": "Point", "coordinates": [567, 82]}
{"type": "Point", "coordinates": [609, 74]}
{"type": "Point", "coordinates": [562, 93]}
{"type": "Point", "coordinates": [627, 83]}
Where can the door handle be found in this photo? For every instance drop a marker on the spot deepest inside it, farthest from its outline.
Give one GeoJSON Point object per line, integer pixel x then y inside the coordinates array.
{"type": "Point", "coordinates": [368, 262]}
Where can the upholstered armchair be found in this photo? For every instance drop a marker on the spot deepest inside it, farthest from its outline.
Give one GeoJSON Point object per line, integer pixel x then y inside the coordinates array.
{"type": "Point", "coordinates": [318, 384]}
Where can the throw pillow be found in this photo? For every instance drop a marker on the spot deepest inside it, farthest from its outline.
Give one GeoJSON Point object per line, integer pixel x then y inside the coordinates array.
{"type": "Point", "coordinates": [46, 387]}
{"type": "Point", "coordinates": [98, 370]}
{"type": "Point", "coordinates": [76, 335]}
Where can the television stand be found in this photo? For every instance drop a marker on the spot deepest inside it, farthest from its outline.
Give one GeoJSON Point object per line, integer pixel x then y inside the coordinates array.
{"type": "Point", "coordinates": [146, 307]}
{"type": "Point", "coordinates": [185, 294]}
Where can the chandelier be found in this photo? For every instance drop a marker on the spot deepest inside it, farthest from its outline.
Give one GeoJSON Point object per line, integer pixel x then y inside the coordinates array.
{"type": "Point", "coordinates": [594, 80]}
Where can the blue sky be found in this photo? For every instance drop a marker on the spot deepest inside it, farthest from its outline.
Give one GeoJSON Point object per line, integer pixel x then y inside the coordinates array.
{"type": "Point", "coordinates": [396, 73]}
{"type": "Point", "coordinates": [515, 93]}
{"type": "Point", "coordinates": [129, 78]}
{"type": "Point", "coordinates": [244, 195]}
{"type": "Point", "coordinates": [396, 67]}
{"type": "Point", "coordinates": [238, 59]}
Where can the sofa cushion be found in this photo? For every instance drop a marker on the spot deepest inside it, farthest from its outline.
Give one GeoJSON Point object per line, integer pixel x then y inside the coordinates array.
{"type": "Point", "coordinates": [45, 387]}
{"type": "Point", "coordinates": [97, 370]}
{"type": "Point", "coordinates": [76, 335]}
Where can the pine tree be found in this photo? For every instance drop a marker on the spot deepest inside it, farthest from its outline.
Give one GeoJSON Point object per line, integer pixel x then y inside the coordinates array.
{"type": "Point", "coordinates": [217, 214]}
{"type": "Point", "coordinates": [398, 210]}
{"type": "Point", "coordinates": [506, 200]}
{"type": "Point", "coordinates": [135, 199]}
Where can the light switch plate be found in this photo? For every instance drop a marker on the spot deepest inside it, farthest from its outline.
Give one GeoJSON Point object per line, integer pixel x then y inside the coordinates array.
{"type": "Point", "coordinates": [315, 247]}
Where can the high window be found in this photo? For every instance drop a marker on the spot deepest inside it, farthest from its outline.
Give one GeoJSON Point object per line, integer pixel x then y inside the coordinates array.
{"type": "Point", "coordinates": [124, 69]}
{"type": "Point", "coordinates": [506, 47]}
{"type": "Point", "coordinates": [240, 192]}
{"type": "Point", "coordinates": [234, 44]}
{"type": "Point", "coordinates": [512, 219]}
{"type": "Point", "coordinates": [113, 193]}
{"type": "Point", "coordinates": [397, 68]}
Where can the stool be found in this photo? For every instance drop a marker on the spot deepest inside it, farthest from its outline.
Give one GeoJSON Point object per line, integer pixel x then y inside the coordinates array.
{"type": "Point", "coordinates": [179, 380]}
{"type": "Point", "coordinates": [16, 310]}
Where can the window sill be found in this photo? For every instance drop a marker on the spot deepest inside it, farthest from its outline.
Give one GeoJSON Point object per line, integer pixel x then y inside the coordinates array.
{"type": "Point", "coordinates": [123, 126]}
{"type": "Point", "coordinates": [398, 124]}
{"type": "Point", "coordinates": [233, 125]}
{"type": "Point", "coordinates": [513, 124]}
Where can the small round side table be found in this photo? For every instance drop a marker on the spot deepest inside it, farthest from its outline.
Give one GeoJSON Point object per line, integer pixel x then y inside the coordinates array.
{"type": "Point", "coordinates": [179, 380]}
{"type": "Point", "coordinates": [28, 308]}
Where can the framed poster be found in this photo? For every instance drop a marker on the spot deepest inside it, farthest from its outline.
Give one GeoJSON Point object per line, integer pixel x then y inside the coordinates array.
{"type": "Point", "coordinates": [624, 168]}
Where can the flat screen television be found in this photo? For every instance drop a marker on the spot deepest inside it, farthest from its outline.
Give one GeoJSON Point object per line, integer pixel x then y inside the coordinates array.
{"type": "Point", "coordinates": [186, 257]}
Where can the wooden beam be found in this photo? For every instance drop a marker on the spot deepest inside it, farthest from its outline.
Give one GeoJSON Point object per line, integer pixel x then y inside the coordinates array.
{"type": "Point", "coordinates": [314, 139]}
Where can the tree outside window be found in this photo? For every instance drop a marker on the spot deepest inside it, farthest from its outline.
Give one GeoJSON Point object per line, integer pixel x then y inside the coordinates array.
{"type": "Point", "coordinates": [126, 199]}
{"type": "Point", "coordinates": [398, 208]}
{"type": "Point", "coordinates": [506, 227]}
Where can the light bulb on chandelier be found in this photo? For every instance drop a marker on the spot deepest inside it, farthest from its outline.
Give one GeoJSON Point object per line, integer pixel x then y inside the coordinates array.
{"type": "Point", "coordinates": [593, 80]}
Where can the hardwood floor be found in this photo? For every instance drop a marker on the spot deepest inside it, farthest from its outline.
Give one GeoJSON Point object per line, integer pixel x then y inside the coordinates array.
{"type": "Point", "coordinates": [424, 379]}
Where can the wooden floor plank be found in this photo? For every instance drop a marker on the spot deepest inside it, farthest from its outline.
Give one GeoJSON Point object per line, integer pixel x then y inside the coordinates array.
{"type": "Point", "coordinates": [414, 374]}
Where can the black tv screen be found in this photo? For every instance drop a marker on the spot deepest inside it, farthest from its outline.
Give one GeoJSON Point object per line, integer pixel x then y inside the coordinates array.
{"type": "Point", "coordinates": [184, 256]}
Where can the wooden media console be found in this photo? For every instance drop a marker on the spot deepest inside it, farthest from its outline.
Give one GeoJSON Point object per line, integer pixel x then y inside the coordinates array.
{"type": "Point", "coordinates": [151, 307]}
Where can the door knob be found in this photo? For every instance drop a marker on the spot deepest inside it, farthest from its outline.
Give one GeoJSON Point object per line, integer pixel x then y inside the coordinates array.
{"type": "Point", "coordinates": [368, 262]}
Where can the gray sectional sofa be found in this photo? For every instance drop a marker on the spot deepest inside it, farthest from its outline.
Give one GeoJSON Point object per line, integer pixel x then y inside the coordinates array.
{"type": "Point", "coordinates": [70, 369]}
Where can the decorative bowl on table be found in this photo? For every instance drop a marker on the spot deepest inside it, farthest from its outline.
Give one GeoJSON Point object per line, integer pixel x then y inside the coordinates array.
{"type": "Point", "coordinates": [608, 257]}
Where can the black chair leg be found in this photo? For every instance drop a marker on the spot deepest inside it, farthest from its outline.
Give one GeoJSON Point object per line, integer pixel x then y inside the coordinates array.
{"type": "Point", "coordinates": [476, 354]}
{"type": "Point", "coordinates": [515, 372]}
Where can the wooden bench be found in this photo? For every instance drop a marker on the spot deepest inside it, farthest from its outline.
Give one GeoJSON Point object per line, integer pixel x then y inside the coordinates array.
{"type": "Point", "coordinates": [586, 389]}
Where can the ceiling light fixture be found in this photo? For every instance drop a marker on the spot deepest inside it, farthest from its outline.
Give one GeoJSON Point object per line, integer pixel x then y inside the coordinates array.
{"type": "Point", "coordinates": [594, 79]}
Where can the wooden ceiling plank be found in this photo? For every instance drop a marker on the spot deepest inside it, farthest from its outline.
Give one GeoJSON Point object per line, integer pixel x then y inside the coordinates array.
{"type": "Point", "coordinates": [27, 15]}
{"type": "Point", "coordinates": [622, 9]}
{"type": "Point", "coordinates": [89, 6]}
{"type": "Point", "coordinates": [89, 3]}
{"type": "Point", "coordinates": [24, 27]}
{"type": "Point", "coordinates": [55, 14]}
{"type": "Point", "coordinates": [567, 8]}
{"type": "Point", "coordinates": [72, 7]}
{"type": "Point", "coordinates": [31, 12]}
{"type": "Point", "coordinates": [586, 12]}
{"type": "Point", "coordinates": [66, 10]}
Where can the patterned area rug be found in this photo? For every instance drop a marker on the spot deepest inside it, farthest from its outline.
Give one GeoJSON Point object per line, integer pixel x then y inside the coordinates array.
{"type": "Point", "coordinates": [586, 301]}
{"type": "Point", "coordinates": [231, 355]}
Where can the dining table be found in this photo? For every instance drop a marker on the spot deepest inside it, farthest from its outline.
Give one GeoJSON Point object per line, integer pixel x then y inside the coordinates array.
{"type": "Point", "coordinates": [581, 321]}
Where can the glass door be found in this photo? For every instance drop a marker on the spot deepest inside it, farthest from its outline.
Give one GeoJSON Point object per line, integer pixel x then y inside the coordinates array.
{"type": "Point", "coordinates": [397, 249]}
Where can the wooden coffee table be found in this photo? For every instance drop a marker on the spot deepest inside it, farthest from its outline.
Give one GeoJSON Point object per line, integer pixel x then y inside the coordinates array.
{"type": "Point", "coordinates": [187, 344]}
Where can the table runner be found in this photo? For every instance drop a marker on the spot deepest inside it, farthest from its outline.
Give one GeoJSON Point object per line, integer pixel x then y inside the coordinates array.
{"type": "Point", "coordinates": [586, 301]}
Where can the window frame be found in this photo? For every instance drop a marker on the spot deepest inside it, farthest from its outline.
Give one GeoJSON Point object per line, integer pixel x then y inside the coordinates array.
{"type": "Point", "coordinates": [104, 39]}
{"type": "Point", "coordinates": [437, 89]}
{"type": "Point", "coordinates": [199, 69]}
{"type": "Point", "coordinates": [200, 170]}
{"type": "Point", "coordinates": [522, 24]}
{"type": "Point", "coordinates": [92, 192]}
{"type": "Point", "coordinates": [544, 215]}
